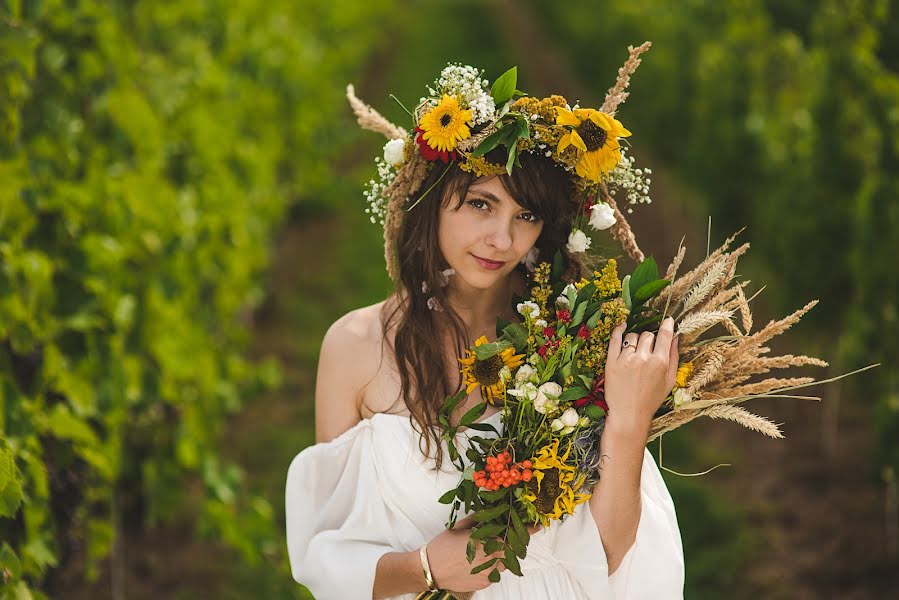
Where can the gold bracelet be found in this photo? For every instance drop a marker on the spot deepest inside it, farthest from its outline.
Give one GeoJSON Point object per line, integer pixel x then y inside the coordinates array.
{"type": "Point", "coordinates": [426, 568]}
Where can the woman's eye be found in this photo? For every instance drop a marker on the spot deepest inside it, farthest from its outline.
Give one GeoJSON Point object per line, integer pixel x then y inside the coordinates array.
{"type": "Point", "coordinates": [478, 204]}
{"type": "Point", "coordinates": [530, 217]}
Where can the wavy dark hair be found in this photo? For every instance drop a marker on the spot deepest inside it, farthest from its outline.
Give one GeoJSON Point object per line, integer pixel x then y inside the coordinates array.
{"type": "Point", "coordinates": [540, 186]}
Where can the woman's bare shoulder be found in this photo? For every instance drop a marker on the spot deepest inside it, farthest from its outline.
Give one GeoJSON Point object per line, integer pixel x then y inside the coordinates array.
{"type": "Point", "coordinates": [350, 360]}
{"type": "Point", "coordinates": [357, 329]}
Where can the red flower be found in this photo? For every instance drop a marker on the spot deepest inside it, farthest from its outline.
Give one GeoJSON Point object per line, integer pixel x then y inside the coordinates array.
{"type": "Point", "coordinates": [563, 315]}
{"type": "Point", "coordinates": [597, 396]}
{"type": "Point", "coordinates": [583, 332]}
{"type": "Point", "coordinates": [589, 203]}
{"type": "Point", "coordinates": [542, 350]}
{"type": "Point", "coordinates": [549, 332]}
{"type": "Point", "coordinates": [432, 153]}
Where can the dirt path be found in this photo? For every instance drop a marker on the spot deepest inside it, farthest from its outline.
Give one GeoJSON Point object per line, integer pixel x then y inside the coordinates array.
{"type": "Point", "coordinates": [811, 498]}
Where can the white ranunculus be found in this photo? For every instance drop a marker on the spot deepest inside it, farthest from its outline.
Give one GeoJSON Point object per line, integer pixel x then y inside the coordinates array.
{"type": "Point", "coordinates": [524, 391]}
{"type": "Point", "coordinates": [524, 373]}
{"type": "Point", "coordinates": [569, 418]}
{"type": "Point", "coordinates": [577, 241]}
{"type": "Point", "coordinates": [393, 152]}
{"type": "Point", "coordinates": [528, 309]}
{"type": "Point", "coordinates": [681, 397]}
{"type": "Point", "coordinates": [601, 216]}
{"type": "Point", "coordinates": [557, 425]}
{"type": "Point", "coordinates": [546, 401]}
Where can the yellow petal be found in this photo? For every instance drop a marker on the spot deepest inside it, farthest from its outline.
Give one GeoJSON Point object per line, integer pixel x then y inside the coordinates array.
{"type": "Point", "coordinates": [577, 141]}
{"type": "Point", "coordinates": [564, 142]}
{"type": "Point", "coordinates": [566, 117]}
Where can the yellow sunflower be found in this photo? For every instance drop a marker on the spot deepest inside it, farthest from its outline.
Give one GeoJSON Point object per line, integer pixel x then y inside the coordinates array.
{"type": "Point", "coordinates": [445, 124]}
{"type": "Point", "coordinates": [486, 372]}
{"type": "Point", "coordinates": [596, 135]}
{"type": "Point", "coordinates": [683, 373]}
{"type": "Point", "coordinates": [553, 491]}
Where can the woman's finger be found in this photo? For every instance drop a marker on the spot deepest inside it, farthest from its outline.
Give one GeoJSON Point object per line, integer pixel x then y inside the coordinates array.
{"type": "Point", "coordinates": [663, 338]}
{"type": "Point", "coordinates": [673, 362]}
{"type": "Point", "coordinates": [644, 344]}
{"type": "Point", "coordinates": [615, 341]}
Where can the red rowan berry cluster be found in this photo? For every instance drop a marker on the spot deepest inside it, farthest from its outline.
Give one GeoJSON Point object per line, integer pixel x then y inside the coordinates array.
{"type": "Point", "coordinates": [501, 472]}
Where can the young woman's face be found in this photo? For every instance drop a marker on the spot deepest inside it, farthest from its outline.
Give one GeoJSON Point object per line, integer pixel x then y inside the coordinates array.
{"type": "Point", "coordinates": [488, 235]}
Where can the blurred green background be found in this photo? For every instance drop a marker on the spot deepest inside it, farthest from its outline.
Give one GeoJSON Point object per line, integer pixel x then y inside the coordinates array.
{"type": "Point", "coordinates": [181, 218]}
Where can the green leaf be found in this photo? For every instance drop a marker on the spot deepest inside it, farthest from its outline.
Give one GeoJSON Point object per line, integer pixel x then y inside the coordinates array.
{"type": "Point", "coordinates": [513, 155]}
{"type": "Point", "coordinates": [484, 566]}
{"type": "Point", "coordinates": [521, 532]}
{"type": "Point", "coordinates": [517, 334]}
{"type": "Point", "coordinates": [485, 351]}
{"type": "Point", "coordinates": [470, 550]}
{"type": "Point", "coordinates": [490, 513]}
{"type": "Point", "coordinates": [586, 292]}
{"type": "Point", "coordinates": [494, 576]}
{"type": "Point", "coordinates": [641, 324]}
{"type": "Point", "coordinates": [558, 267]}
{"type": "Point", "coordinates": [626, 291]}
{"type": "Point", "coordinates": [511, 561]}
{"type": "Point", "coordinates": [503, 135]}
{"type": "Point", "coordinates": [483, 427]}
{"type": "Point", "coordinates": [648, 290]}
{"type": "Point", "coordinates": [594, 412]}
{"type": "Point", "coordinates": [645, 272]}
{"type": "Point", "coordinates": [486, 531]}
{"type": "Point", "coordinates": [578, 315]}
{"type": "Point", "coordinates": [573, 393]}
{"type": "Point", "coordinates": [448, 497]}
{"type": "Point", "coordinates": [473, 414]}
{"type": "Point", "coordinates": [504, 87]}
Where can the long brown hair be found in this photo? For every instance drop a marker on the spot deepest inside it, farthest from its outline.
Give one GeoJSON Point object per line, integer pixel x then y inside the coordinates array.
{"type": "Point", "coordinates": [540, 186]}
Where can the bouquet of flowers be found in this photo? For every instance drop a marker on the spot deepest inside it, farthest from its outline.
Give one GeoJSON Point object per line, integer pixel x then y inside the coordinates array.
{"type": "Point", "coordinates": [547, 372]}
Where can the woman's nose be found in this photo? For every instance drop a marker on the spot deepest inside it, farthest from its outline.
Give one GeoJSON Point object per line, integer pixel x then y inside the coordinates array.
{"type": "Point", "coordinates": [500, 236]}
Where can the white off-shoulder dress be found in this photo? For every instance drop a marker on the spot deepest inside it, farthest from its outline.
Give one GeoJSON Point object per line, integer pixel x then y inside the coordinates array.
{"type": "Point", "coordinates": [371, 491]}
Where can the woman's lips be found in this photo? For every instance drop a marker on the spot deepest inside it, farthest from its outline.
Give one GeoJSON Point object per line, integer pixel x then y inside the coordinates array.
{"type": "Point", "coordinates": [486, 263]}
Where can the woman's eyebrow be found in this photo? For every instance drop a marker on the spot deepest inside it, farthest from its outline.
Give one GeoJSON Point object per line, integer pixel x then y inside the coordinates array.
{"type": "Point", "coordinates": [485, 194]}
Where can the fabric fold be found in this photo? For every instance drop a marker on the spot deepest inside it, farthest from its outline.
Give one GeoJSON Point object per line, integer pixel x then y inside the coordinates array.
{"type": "Point", "coordinates": [332, 499]}
{"type": "Point", "coordinates": [653, 567]}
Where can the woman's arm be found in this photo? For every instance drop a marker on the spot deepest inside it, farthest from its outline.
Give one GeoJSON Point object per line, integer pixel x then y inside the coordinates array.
{"type": "Point", "coordinates": [398, 573]}
{"type": "Point", "coordinates": [637, 382]}
{"type": "Point", "coordinates": [615, 502]}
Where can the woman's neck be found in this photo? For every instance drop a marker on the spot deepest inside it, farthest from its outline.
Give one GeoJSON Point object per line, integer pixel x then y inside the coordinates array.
{"type": "Point", "coordinates": [479, 308]}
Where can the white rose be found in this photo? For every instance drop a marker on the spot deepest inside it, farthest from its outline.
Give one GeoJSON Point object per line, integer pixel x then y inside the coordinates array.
{"type": "Point", "coordinates": [524, 373]}
{"type": "Point", "coordinates": [393, 152]}
{"type": "Point", "coordinates": [569, 418]}
{"type": "Point", "coordinates": [557, 425]}
{"type": "Point", "coordinates": [681, 397]}
{"type": "Point", "coordinates": [528, 309]}
{"type": "Point", "coordinates": [546, 400]}
{"type": "Point", "coordinates": [525, 391]}
{"type": "Point", "coordinates": [577, 241]}
{"type": "Point", "coordinates": [601, 216]}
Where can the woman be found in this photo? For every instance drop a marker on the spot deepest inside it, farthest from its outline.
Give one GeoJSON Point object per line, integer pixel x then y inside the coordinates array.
{"type": "Point", "coordinates": [362, 502]}
{"type": "Point", "coordinates": [489, 181]}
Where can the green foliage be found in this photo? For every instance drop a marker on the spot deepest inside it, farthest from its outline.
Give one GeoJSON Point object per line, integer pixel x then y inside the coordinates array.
{"type": "Point", "coordinates": [785, 117]}
{"type": "Point", "coordinates": [147, 152]}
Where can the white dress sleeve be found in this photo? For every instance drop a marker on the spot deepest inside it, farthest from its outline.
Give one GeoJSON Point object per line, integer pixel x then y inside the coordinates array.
{"type": "Point", "coordinates": [334, 507]}
{"type": "Point", "coordinates": [653, 567]}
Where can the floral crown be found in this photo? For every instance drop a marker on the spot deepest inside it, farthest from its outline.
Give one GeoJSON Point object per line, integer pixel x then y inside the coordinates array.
{"type": "Point", "coordinates": [463, 118]}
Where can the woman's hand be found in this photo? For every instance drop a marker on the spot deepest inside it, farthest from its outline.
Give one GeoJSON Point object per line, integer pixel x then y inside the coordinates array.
{"type": "Point", "coordinates": [449, 565]}
{"type": "Point", "coordinates": [639, 376]}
